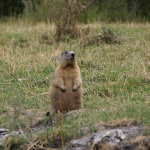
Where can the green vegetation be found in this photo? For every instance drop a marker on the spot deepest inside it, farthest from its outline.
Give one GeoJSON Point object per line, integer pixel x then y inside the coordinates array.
{"type": "Point", "coordinates": [103, 10]}
{"type": "Point", "coordinates": [116, 77]}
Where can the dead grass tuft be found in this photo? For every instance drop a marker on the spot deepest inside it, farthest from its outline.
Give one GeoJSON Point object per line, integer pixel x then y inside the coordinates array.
{"type": "Point", "coordinates": [67, 26]}
{"type": "Point", "coordinates": [107, 36]}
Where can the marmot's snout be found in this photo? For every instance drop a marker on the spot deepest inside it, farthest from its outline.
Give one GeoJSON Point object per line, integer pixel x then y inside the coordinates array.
{"type": "Point", "coordinates": [72, 56]}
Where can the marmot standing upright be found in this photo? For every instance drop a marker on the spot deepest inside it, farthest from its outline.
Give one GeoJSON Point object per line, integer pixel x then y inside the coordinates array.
{"type": "Point", "coordinates": [66, 85]}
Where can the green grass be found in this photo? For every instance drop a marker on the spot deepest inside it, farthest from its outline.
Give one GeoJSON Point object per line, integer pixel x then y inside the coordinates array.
{"type": "Point", "coordinates": [116, 77]}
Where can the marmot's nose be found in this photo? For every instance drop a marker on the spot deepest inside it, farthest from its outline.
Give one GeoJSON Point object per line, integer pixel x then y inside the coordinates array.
{"type": "Point", "coordinates": [72, 54]}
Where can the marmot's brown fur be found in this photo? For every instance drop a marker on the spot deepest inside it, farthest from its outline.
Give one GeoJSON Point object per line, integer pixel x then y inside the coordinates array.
{"type": "Point", "coordinates": [66, 85]}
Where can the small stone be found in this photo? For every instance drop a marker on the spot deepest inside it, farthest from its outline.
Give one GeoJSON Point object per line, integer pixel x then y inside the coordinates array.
{"type": "Point", "coordinates": [3, 130]}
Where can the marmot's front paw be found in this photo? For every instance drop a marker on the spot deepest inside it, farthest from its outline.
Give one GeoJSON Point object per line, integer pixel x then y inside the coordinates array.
{"type": "Point", "coordinates": [74, 89]}
{"type": "Point", "coordinates": [63, 88]}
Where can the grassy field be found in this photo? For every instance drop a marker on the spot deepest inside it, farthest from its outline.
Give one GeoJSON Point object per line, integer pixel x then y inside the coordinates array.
{"type": "Point", "coordinates": [116, 77]}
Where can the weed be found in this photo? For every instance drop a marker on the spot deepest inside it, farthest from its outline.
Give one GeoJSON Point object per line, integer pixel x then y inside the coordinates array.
{"type": "Point", "coordinates": [15, 142]}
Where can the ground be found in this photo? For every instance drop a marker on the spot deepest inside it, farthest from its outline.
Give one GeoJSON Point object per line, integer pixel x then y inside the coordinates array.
{"type": "Point", "coordinates": [116, 77]}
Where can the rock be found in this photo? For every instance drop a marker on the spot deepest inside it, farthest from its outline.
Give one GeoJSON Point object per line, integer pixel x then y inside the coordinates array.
{"type": "Point", "coordinates": [138, 143]}
{"type": "Point", "coordinates": [4, 133]}
{"type": "Point", "coordinates": [110, 137]}
{"type": "Point", "coordinates": [113, 136]}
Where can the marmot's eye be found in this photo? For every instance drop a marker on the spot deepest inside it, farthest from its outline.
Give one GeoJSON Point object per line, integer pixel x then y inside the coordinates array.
{"type": "Point", "coordinates": [62, 53]}
{"type": "Point", "coordinates": [66, 52]}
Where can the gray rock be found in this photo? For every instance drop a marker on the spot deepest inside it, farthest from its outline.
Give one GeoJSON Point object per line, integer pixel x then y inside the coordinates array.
{"type": "Point", "coordinates": [4, 133]}
{"type": "Point", "coordinates": [110, 136]}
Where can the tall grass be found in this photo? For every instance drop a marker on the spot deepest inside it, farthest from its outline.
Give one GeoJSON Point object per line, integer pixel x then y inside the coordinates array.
{"type": "Point", "coordinates": [116, 79]}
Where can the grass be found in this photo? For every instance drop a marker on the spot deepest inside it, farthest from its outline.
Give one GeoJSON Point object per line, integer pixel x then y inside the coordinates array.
{"type": "Point", "coordinates": [116, 77]}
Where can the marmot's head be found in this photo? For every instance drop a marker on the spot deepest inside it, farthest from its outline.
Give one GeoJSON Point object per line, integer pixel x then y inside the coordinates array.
{"type": "Point", "coordinates": [68, 58]}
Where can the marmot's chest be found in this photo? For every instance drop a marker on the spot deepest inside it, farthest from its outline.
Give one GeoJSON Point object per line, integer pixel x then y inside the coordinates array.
{"type": "Point", "coordinates": [68, 81]}
{"type": "Point", "coordinates": [68, 77]}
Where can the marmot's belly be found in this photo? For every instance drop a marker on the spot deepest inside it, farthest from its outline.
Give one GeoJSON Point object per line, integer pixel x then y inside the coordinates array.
{"type": "Point", "coordinates": [68, 100]}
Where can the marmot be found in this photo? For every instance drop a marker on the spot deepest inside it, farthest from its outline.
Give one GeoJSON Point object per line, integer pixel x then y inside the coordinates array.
{"type": "Point", "coordinates": [66, 85]}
